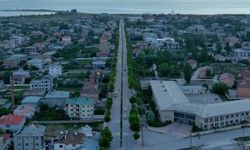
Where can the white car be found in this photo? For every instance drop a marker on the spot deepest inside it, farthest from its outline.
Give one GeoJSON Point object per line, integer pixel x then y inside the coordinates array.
{"type": "Point", "coordinates": [125, 109]}
{"type": "Point", "coordinates": [125, 117]}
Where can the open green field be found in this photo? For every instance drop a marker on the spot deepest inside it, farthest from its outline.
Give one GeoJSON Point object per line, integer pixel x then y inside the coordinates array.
{"type": "Point", "coordinates": [228, 67]}
{"type": "Point", "coordinates": [55, 129]}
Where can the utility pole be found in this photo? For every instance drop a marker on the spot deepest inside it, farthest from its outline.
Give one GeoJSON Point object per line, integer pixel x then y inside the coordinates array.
{"type": "Point", "coordinates": [191, 142]}
{"type": "Point", "coordinates": [12, 95]}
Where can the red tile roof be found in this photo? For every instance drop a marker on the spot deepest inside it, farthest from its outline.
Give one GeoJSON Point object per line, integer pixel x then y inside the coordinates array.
{"type": "Point", "coordinates": [245, 74]}
{"type": "Point", "coordinates": [11, 119]}
{"type": "Point", "coordinates": [243, 84]}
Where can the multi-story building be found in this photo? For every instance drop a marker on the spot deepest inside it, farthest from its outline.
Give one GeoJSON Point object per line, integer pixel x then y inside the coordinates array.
{"type": "Point", "coordinates": [14, 60]}
{"type": "Point", "coordinates": [46, 83]}
{"type": "Point", "coordinates": [4, 141]}
{"type": "Point", "coordinates": [57, 98]}
{"type": "Point", "coordinates": [174, 106]}
{"type": "Point", "coordinates": [55, 70]}
{"type": "Point", "coordinates": [30, 138]}
{"type": "Point", "coordinates": [240, 54]}
{"type": "Point", "coordinates": [80, 107]}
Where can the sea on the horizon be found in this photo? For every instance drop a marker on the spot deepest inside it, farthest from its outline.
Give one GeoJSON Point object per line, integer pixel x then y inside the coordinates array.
{"type": "Point", "coordinates": [130, 6]}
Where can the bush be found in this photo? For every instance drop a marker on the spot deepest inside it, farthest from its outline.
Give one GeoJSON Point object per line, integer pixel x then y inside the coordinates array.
{"type": "Point", "coordinates": [107, 117]}
{"type": "Point", "coordinates": [109, 103]}
{"type": "Point", "coordinates": [136, 135]}
{"type": "Point", "coordinates": [219, 88]}
{"type": "Point", "coordinates": [99, 111]}
{"type": "Point", "coordinates": [195, 129]}
{"type": "Point", "coordinates": [132, 100]}
{"type": "Point", "coordinates": [105, 138]}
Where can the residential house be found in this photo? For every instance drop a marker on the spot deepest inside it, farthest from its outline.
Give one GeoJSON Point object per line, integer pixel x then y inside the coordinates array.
{"type": "Point", "coordinates": [18, 77]}
{"type": "Point", "coordinates": [228, 79]}
{"type": "Point", "coordinates": [31, 50]}
{"type": "Point", "coordinates": [31, 137]}
{"type": "Point", "coordinates": [80, 107]}
{"type": "Point", "coordinates": [70, 141]}
{"type": "Point", "coordinates": [46, 83]}
{"type": "Point", "coordinates": [86, 130]}
{"type": "Point", "coordinates": [57, 98]}
{"type": "Point", "coordinates": [4, 141]}
{"type": "Point", "coordinates": [33, 92]}
{"type": "Point", "coordinates": [98, 64]}
{"type": "Point", "coordinates": [16, 40]}
{"type": "Point", "coordinates": [245, 74]}
{"type": "Point", "coordinates": [55, 70]}
{"type": "Point", "coordinates": [12, 122]}
{"type": "Point", "coordinates": [5, 103]}
{"type": "Point", "coordinates": [13, 61]}
{"type": "Point", "coordinates": [33, 100]}
{"type": "Point", "coordinates": [66, 40]}
{"type": "Point", "coordinates": [39, 63]}
{"type": "Point", "coordinates": [90, 90]}
{"type": "Point", "coordinates": [27, 110]}
{"type": "Point", "coordinates": [240, 54]}
{"type": "Point", "coordinates": [243, 88]}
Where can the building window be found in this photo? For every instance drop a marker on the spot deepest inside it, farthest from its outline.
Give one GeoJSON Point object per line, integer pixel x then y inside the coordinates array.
{"type": "Point", "coordinates": [61, 146]}
{"type": "Point", "coordinates": [216, 118]}
{"type": "Point", "coordinates": [221, 118]}
{"type": "Point", "coordinates": [227, 116]}
{"type": "Point", "coordinates": [237, 115]}
{"type": "Point", "coordinates": [226, 122]}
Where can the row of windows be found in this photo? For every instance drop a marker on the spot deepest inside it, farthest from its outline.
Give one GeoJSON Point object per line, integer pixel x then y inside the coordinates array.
{"type": "Point", "coordinates": [28, 144]}
{"type": "Point", "coordinates": [222, 118]}
{"type": "Point", "coordinates": [85, 115]}
{"type": "Point", "coordinates": [222, 124]}
{"type": "Point", "coordinates": [81, 105]}
{"type": "Point", "coordinates": [82, 110]}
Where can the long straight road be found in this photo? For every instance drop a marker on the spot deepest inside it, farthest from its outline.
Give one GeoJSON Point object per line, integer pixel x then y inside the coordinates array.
{"type": "Point", "coordinates": [122, 136]}
{"type": "Point", "coordinates": [115, 123]}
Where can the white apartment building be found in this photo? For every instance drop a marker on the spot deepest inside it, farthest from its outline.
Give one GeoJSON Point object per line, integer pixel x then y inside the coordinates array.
{"type": "Point", "coordinates": [174, 106]}
{"type": "Point", "coordinates": [80, 107]}
{"type": "Point", "coordinates": [55, 70]}
{"type": "Point", "coordinates": [240, 54]}
{"type": "Point", "coordinates": [46, 83]}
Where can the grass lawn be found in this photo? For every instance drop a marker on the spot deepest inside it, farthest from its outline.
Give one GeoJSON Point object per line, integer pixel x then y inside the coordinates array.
{"type": "Point", "coordinates": [228, 67]}
{"type": "Point", "coordinates": [55, 129]}
{"type": "Point", "coordinates": [243, 138]}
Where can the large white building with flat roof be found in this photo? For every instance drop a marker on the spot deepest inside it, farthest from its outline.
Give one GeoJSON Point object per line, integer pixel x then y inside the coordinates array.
{"type": "Point", "coordinates": [174, 106]}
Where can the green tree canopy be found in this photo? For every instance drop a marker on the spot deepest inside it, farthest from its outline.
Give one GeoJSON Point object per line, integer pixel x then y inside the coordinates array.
{"type": "Point", "coordinates": [105, 138]}
{"type": "Point", "coordinates": [187, 72]}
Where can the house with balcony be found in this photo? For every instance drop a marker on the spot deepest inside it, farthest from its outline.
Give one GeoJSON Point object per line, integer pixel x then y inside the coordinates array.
{"type": "Point", "coordinates": [80, 107]}
{"type": "Point", "coordinates": [31, 137]}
